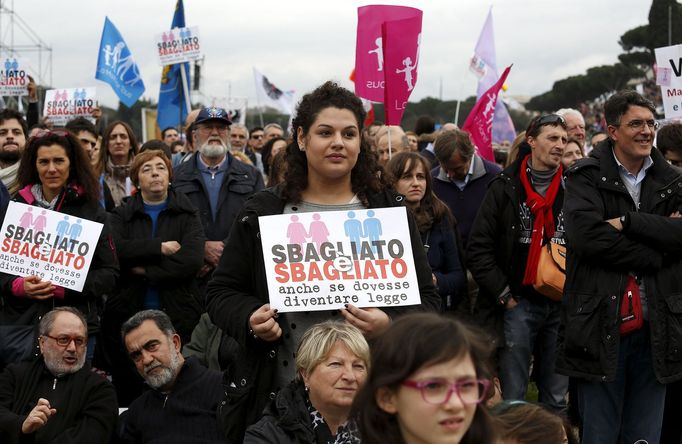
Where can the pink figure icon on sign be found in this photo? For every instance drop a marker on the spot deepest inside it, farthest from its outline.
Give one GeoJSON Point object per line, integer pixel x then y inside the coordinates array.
{"type": "Point", "coordinates": [40, 222]}
{"type": "Point", "coordinates": [26, 219]}
{"type": "Point", "coordinates": [296, 232]}
{"type": "Point", "coordinates": [318, 231]}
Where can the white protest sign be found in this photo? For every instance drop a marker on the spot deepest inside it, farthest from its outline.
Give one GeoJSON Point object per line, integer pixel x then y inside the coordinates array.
{"type": "Point", "coordinates": [13, 76]}
{"type": "Point", "coordinates": [53, 246]}
{"type": "Point", "coordinates": [178, 45]}
{"type": "Point", "coordinates": [670, 57]}
{"type": "Point", "coordinates": [62, 105]}
{"type": "Point", "coordinates": [321, 261]}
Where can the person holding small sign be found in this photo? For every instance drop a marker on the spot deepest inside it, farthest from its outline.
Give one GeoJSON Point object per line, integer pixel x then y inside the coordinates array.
{"type": "Point", "coordinates": [330, 168]}
{"type": "Point", "coordinates": [55, 174]}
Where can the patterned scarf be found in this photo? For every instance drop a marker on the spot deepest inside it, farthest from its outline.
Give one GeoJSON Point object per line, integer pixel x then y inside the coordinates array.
{"type": "Point", "coordinates": [543, 218]}
{"type": "Point", "coordinates": [347, 432]}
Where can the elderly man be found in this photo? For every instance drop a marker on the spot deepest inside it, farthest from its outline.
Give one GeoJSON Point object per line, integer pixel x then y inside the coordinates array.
{"type": "Point", "coordinates": [575, 123]}
{"type": "Point", "coordinates": [239, 137]}
{"type": "Point", "coordinates": [272, 131]}
{"type": "Point", "coordinates": [621, 332]}
{"type": "Point", "coordinates": [215, 182]}
{"type": "Point", "coordinates": [13, 132]}
{"type": "Point", "coordinates": [182, 405]}
{"type": "Point", "coordinates": [57, 399]}
{"type": "Point", "coordinates": [399, 143]}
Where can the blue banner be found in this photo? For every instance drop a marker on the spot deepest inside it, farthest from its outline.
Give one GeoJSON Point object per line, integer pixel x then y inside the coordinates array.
{"type": "Point", "coordinates": [172, 110]}
{"type": "Point", "coordinates": [115, 65]}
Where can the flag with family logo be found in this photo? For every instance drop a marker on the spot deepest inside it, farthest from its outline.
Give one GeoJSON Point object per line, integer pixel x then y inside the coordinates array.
{"type": "Point", "coordinates": [115, 65]}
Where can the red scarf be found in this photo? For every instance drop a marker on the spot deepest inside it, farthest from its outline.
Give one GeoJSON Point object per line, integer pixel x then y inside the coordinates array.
{"type": "Point", "coordinates": [543, 218]}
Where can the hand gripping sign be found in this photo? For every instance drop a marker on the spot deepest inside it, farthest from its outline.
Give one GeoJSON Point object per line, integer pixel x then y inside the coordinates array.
{"type": "Point", "coordinates": [387, 53]}
{"type": "Point", "coordinates": [54, 246]}
{"type": "Point", "coordinates": [321, 261]}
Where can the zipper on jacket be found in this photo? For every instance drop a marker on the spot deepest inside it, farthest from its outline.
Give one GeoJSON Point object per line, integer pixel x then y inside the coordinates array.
{"type": "Point", "coordinates": [164, 401]}
{"type": "Point", "coordinates": [54, 384]}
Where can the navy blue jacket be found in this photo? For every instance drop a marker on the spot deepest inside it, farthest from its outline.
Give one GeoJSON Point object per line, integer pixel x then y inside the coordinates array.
{"type": "Point", "coordinates": [443, 257]}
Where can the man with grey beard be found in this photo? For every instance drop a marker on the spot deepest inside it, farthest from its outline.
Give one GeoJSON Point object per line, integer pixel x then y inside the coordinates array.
{"type": "Point", "coordinates": [215, 183]}
{"type": "Point", "coordinates": [57, 398]}
{"type": "Point", "coordinates": [182, 407]}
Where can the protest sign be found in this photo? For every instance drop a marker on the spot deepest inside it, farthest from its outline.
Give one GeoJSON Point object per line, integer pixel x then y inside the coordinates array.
{"type": "Point", "coordinates": [178, 45]}
{"type": "Point", "coordinates": [321, 261]}
{"type": "Point", "coordinates": [62, 105]}
{"type": "Point", "coordinates": [669, 77]}
{"type": "Point", "coordinates": [54, 246]}
{"type": "Point", "coordinates": [13, 77]}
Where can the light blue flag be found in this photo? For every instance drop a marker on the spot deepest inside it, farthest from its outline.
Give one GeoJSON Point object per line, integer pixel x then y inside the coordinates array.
{"type": "Point", "coordinates": [172, 109]}
{"type": "Point", "coordinates": [116, 66]}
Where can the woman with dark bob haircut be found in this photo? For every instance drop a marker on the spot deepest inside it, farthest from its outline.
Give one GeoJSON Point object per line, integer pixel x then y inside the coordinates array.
{"type": "Point", "coordinates": [330, 168]}
{"type": "Point", "coordinates": [428, 383]}
{"type": "Point", "coordinates": [55, 174]}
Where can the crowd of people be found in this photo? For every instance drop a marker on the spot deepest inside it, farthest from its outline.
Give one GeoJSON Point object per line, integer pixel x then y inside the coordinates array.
{"type": "Point", "coordinates": [555, 267]}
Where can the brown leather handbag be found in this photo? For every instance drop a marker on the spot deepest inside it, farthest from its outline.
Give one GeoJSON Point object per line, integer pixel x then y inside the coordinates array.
{"type": "Point", "coordinates": [551, 275]}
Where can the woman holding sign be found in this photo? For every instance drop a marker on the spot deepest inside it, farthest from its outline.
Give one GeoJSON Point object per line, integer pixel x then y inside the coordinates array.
{"type": "Point", "coordinates": [55, 174]}
{"type": "Point", "coordinates": [330, 168]}
{"type": "Point", "coordinates": [410, 175]}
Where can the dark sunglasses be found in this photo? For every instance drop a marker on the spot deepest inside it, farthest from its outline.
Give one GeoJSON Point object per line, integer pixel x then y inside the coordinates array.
{"type": "Point", "coordinates": [548, 119]}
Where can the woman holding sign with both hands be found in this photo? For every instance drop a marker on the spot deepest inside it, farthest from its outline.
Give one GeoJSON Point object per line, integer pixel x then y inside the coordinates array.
{"type": "Point", "coordinates": [55, 174]}
{"type": "Point", "coordinates": [330, 168]}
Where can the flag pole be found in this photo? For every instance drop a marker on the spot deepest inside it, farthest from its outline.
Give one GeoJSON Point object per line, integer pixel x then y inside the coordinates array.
{"type": "Point", "coordinates": [389, 142]}
{"type": "Point", "coordinates": [185, 88]}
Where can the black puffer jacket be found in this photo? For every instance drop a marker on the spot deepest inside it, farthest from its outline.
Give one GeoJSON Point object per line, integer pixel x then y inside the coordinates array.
{"type": "Point", "coordinates": [239, 287]}
{"type": "Point", "coordinates": [599, 259]}
{"type": "Point", "coordinates": [101, 278]}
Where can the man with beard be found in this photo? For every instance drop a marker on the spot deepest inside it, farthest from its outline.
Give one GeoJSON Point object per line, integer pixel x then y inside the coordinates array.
{"type": "Point", "coordinates": [215, 182]}
{"type": "Point", "coordinates": [182, 407]}
{"type": "Point", "coordinates": [57, 398]}
{"type": "Point", "coordinates": [13, 132]}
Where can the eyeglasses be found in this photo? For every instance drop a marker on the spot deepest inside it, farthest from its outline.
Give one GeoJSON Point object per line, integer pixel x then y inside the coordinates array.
{"type": "Point", "coordinates": [549, 119]}
{"type": "Point", "coordinates": [638, 125]}
{"type": "Point", "coordinates": [64, 341]}
{"type": "Point", "coordinates": [207, 129]}
{"type": "Point", "coordinates": [439, 391]}
{"type": "Point", "coordinates": [257, 136]}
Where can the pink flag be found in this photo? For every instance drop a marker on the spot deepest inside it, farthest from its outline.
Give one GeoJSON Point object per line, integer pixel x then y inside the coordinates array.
{"type": "Point", "coordinates": [479, 122]}
{"type": "Point", "coordinates": [370, 47]}
{"type": "Point", "coordinates": [401, 40]}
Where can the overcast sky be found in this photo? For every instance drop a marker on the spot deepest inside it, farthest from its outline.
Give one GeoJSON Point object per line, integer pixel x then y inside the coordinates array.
{"type": "Point", "coordinates": [300, 44]}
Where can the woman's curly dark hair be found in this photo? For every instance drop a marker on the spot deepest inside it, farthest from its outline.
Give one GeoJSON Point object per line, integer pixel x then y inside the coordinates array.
{"type": "Point", "coordinates": [366, 174]}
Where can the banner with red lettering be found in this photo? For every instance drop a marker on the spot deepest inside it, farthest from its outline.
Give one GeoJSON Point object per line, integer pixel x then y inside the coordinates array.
{"type": "Point", "coordinates": [370, 47]}
{"type": "Point", "coordinates": [54, 246]}
{"type": "Point", "coordinates": [178, 45]}
{"type": "Point", "coordinates": [321, 261]}
{"type": "Point", "coordinates": [13, 76]}
{"type": "Point", "coordinates": [479, 122]}
{"type": "Point", "coordinates": [62, 105]}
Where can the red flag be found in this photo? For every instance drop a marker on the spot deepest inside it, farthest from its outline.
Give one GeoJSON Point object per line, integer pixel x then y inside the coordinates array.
{"type": "Point", "coordinates": [479, 122]}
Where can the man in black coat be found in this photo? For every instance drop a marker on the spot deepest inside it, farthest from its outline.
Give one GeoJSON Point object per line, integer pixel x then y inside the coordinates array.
{"type": "Point", "coordinates": [621, 334]}
{"type": "Point", "coordinates": [215, 182]}
{"type": "Point", "coordinates": [183, 405]}
{"type": "Point", "coordinates": [57, 399]}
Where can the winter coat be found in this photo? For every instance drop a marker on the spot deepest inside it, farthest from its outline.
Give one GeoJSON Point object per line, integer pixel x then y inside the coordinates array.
{"type": "Point", "coordinates": [599, 259]}
{"type": "Point", "coordinates": [239, 182]}
{"type": "Point", "coordinates": [444, 259]}
{"type": "Point", "coordinates": [493, 253]}
{"type": "Point", "coordinates": [172, 275]}
{"type": "Point", "coordinates": [102, 275]}
{"type": "Point", "coordinates": [86, 405]}
{"type": "Point", "coordinates": [239, 287]}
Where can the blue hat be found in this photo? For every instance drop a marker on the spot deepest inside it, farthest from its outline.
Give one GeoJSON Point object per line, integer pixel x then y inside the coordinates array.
{"type": "Point", "coordinates": [213, 113]}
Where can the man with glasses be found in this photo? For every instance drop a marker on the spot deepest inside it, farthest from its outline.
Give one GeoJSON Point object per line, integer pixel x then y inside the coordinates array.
{"type": "Point", "coordinates": [215, 182]}
{"type": "Point", "coordinates": [621, 335]}
{"type": "Point", "coordinates": [57, 398]}
{"type": "Point", "coordinates": [256, 139]}
{"type": "Point", "coordinates": [520, 214]}
{"type": "Point", "coordinates": [85, 132]}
